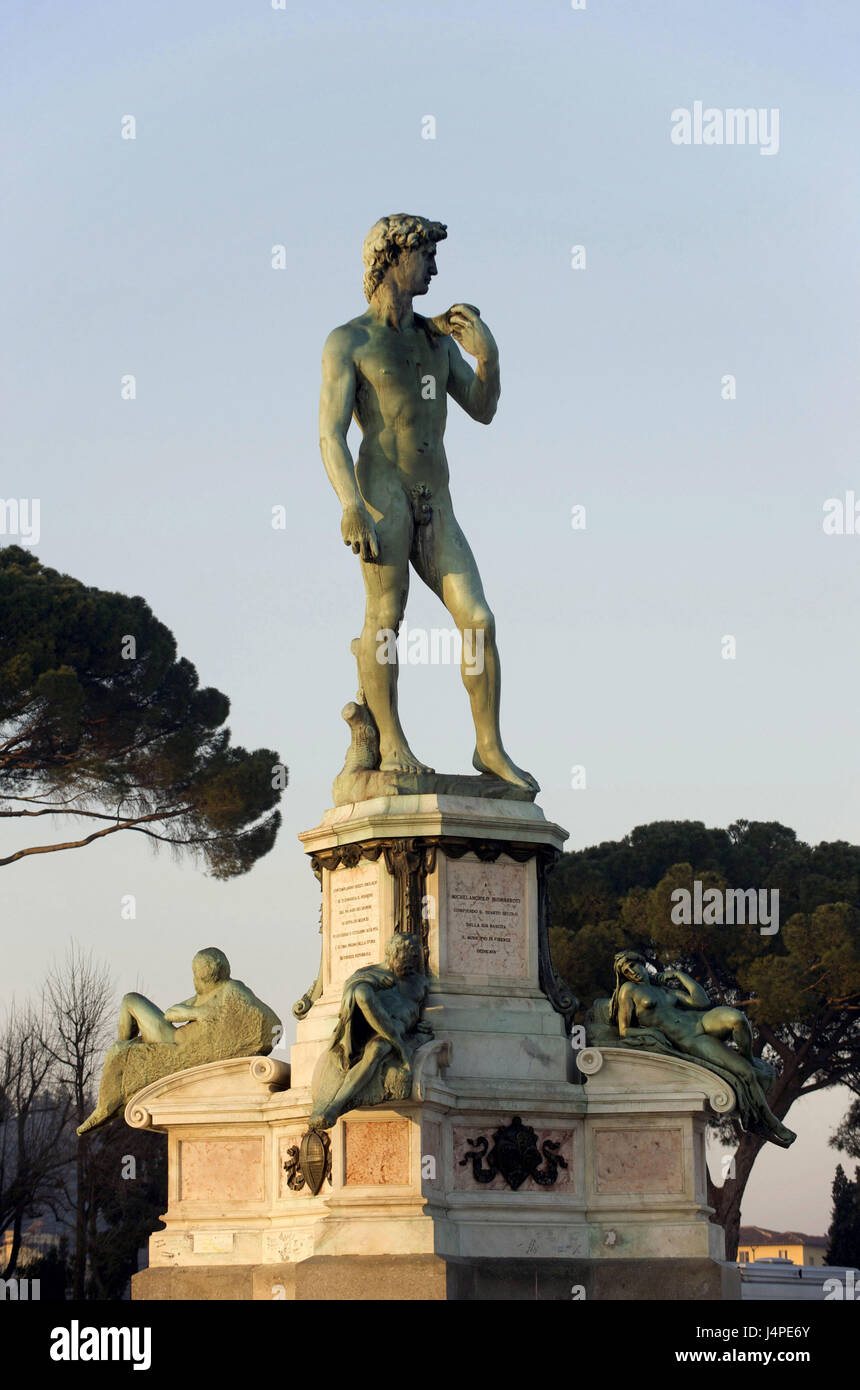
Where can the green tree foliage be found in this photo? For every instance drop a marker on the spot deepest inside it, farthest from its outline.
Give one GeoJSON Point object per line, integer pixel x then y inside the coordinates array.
{"type": "Point", "coordinates": [843, 1238]}
{"type": "Point", "coordinates": [847, 1136]}
{"type": "Point", "coordinates": [99, 720]}
{"type": "Point", "coordinates": [800, 987]}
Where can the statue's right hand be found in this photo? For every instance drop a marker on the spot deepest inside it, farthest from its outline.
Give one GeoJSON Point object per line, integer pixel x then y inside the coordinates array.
{"type": "Point", "coordinates": [358, 530]}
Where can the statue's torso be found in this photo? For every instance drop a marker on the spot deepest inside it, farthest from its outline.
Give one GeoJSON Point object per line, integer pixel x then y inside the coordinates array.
{"type": "Point", "coordinates": [400, 407]}
{"type": "Point", "coordinates": [658, 1008]}
{"type": "Point", "coordinates": [404, 1001]}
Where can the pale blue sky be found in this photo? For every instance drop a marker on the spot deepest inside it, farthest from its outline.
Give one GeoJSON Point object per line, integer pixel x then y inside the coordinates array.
{"type": "Point", "coordinates": [257, 127]}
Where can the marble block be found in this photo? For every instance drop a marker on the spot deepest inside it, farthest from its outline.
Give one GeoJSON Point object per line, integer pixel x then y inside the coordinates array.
{"type": "Point", "coordinates": [639, 1160]}
{"type": "Point", "coordinates": [220, 1170]}
{"type": "Point", "coordinates": [376, 1152]}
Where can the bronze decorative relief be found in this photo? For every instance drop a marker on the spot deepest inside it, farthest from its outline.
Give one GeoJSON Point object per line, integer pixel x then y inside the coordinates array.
{"type": "Point", "coordinates": [515, 1156]}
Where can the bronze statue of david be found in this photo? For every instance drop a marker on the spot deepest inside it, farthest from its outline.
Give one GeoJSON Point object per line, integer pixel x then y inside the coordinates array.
{"type": "Point", "coordinates": [393, 370]}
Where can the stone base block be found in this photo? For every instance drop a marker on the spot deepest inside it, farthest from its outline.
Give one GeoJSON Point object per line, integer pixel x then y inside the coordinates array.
{"type": "Point", "coordinates": [203, 1283]}
{"type": "Point", "coordinates": [435, 1278]}
{"type": "Point", "coordinates": [565, 1281]}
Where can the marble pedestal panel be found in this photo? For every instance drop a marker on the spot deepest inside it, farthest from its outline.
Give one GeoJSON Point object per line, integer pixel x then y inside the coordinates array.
{"type": "Point", "coordinates": [645, 1168]}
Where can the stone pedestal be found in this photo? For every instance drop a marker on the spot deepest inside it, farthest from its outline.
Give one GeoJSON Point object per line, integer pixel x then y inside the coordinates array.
{"type": "Point", "coordinates": [422, 1200]}
{"type": "Point", "coordinates": [469, 877]}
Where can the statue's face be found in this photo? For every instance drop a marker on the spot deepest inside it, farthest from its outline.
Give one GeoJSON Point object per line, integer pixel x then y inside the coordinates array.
{"type": "Point", "coordinates": [404, 960]}
{"type": "Point", "coordinates": [202, 974]}
{"type": "Point", "coordinates": [635, 970]}
{"type": "Point", "coordinates": [415, 269]}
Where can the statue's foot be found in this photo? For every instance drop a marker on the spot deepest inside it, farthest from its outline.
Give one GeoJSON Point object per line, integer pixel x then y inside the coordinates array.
{"type": "Point", "coordinates": [782, 1135]}
{"type": "Point", "coordinates": [324, 1120]}
{"type": "Point", "coordinates": [93, 1121]}
{"type": "Point", "coordinates": [497, 763]}
{"type": "Point", "coordinates": [401, 759]}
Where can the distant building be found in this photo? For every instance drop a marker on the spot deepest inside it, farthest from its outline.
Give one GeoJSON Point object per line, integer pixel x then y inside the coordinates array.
{"type": "Point", "coordinates": [758, 1243]}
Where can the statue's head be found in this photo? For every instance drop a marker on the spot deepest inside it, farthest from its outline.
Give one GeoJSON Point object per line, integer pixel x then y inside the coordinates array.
{"type": "Point", "coordinates": [209, 967]}
{"type": "Point", "coordinates": [405, 247]}
{"type": "Point", "coordinates": [403, 954]}
{"type": "Point", "coordinates": [630, 965]}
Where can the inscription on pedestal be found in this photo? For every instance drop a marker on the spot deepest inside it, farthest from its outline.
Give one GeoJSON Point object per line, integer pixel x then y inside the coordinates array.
{"type": "Point", "coordinates": [353, 920]}
{"type": "Point", "coordinates": [486, 918]}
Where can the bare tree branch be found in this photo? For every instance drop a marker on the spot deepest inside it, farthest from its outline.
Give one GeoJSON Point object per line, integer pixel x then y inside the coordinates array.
{"type": "Point", "coordinates": [88, 840]}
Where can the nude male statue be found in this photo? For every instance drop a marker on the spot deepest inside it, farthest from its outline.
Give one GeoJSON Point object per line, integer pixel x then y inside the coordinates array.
{"type": "Point", "coordinates": [379, 1027]}
{"type": "Point", "coordinates": [223, 1018]}
{"type": "Point", "coordinates": [393, 370]}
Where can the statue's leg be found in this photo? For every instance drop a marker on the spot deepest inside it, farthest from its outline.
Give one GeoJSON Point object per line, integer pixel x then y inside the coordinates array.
{"type": "Point", "coordinates": [726, 1022]}
{"type": "Point", "coordinates": [111, 1095]}
{"type": "Point", "coordinates": [138, 1016]}
{"type": "Point", "coordinates": [709, 1049]}
{"type": "Point", "coordinates": [359, 1076]}
{"type": "Point", "coordinates": [386, 583]}
{"type": "Point", "coordinates": [442, 557]}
